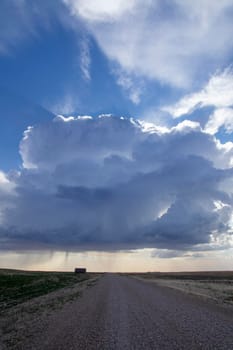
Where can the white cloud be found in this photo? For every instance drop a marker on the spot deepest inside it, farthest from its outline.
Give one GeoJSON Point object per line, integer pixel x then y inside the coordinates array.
{"type": "Point", "coordinates": [222, 117]}
{"type": "Point", "coordinates": [103, 10]}
{"type": "Point", "coordinates": [133, 86]}
{"type": "Point", "coordinates": [168, 42]}
{"type": "Point", "coordinates": [3, 178]}
{"type": "Point", "coordinates": [6, 186]}
{"type": "Point", "coordinates": [218, 92]}
{"type": "Point", "coordinates": [111, 183]}
{"type": "Point", "coordinates": [7, 194]}
{"type": "Point", "coordinates": [174, 42]}
{"type": "Point", "coordinates": [85, 59]}
{"type": "Point", "coordinates": [66, 136]}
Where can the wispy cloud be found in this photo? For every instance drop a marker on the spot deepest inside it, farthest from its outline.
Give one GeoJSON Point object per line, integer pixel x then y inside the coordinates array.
{"type": "Point", "coordinates": [67, 105]}
{"type": "Point", "coordinates": [222, 117]}
{"type": "Point", "coordinates": [104, 10]}
{"type": "Point", "coordinates": [21, 21]}
{"type": "Point", "coordinates": [218, 92]}
{"type": "Point", "coordinates": [185, 40]}
{"type": "Point", "coordinates": [182, 37]}
{"type": "Point", "coordinates": [85, 58]}
{"type": "Point", "coordinates": [131, 85]}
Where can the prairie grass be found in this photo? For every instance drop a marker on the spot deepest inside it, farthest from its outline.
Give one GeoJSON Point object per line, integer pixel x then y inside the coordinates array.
{"type": "Point", "coordinates": [19, 286]}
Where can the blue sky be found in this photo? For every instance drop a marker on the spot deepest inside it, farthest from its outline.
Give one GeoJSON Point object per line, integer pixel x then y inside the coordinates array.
{"type": "Point", "coordinates": [116, 126]}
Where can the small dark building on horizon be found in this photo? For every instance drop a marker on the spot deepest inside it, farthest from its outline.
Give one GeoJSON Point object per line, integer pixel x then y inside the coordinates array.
{"type": "Point", "coordinates": [80, 270]}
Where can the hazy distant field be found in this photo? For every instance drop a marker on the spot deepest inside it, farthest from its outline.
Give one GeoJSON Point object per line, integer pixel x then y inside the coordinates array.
{"type": "Point", "coordinates": [217, 285]}
{"type": "Point", "coordinates": [19, 286]}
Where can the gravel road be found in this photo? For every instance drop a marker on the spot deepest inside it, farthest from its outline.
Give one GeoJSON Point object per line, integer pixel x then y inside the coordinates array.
{"type": "Point", "coordinates": [124, 313]}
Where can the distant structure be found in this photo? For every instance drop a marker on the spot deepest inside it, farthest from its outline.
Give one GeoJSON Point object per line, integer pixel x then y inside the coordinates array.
{"type": "Point", "coordinates": [80, 270]}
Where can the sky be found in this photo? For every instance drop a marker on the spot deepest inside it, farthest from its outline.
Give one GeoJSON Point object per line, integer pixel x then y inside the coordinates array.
{"type": "Point", "coordinates": [116, 135]}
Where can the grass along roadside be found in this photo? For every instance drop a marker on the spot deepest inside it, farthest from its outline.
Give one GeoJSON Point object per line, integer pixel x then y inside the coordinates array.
{"type": "Point", "coordinates": [16, 287]}
{"type": "Point", "coordinates": [20, 323]}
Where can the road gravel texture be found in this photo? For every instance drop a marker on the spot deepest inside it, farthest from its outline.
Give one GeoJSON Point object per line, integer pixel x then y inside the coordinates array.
{"type": "Point", "coordinates": [121, 312]}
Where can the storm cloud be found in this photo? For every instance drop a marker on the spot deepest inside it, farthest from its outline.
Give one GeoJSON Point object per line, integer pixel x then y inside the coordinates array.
{"type": "Point", "coordinates": [113, 183]}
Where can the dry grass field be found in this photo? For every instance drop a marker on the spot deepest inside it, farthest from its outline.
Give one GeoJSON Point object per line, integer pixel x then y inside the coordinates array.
{"type": "Point", "coordinates": [217, 285]}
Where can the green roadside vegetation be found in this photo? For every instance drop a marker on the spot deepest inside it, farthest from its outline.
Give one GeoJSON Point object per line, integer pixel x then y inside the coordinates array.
{"type": "Point", "coordinates": [19, 286]}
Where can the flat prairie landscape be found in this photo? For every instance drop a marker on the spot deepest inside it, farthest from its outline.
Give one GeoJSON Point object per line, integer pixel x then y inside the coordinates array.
{"type": "Point", "coordinates": [52, 310]}
{"type": "Point", "coordinates": [217, 285]}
